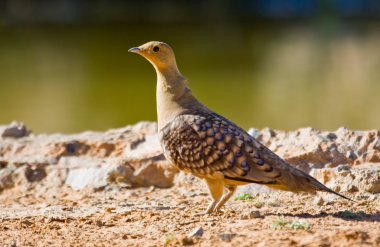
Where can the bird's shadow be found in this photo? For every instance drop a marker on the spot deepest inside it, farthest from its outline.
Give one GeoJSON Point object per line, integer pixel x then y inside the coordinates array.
{"type": "Point", "coordinates": [344, 215]}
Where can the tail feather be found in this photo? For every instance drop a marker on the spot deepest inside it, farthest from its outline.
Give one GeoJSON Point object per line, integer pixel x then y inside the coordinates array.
{"type": "Point", "coordinates": [321, 187]}
{"type": "Point", "coordinates": [336, 193]}
{"type": "Point", "coordinates": [298, 181]}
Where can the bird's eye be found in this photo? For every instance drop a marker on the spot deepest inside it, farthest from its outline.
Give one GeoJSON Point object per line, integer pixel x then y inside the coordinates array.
{"type": "Point", "coordinates": [156, 49]}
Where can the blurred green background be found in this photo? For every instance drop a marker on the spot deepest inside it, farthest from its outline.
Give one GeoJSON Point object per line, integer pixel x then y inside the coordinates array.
{"type": "Point", "coordinates": [64, 65]}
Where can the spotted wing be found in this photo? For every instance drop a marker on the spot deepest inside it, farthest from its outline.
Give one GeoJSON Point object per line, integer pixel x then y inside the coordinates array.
{"type": "Point", "coordinates": [206, 143]}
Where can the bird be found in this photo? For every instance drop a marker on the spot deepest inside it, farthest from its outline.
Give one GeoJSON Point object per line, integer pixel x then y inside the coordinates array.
{"type": "Point", "coordinates": [199, 141]}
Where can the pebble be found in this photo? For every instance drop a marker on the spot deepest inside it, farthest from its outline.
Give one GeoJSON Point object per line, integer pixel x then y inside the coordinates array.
{"type": "Point", "coordinates": [250, 215]}
{"type": "Point", "coordinates": [196, 232]}
{"type": "Point", "coordinates": [14, 130]}
{"type": "Point", "coordinates": [226, 237]}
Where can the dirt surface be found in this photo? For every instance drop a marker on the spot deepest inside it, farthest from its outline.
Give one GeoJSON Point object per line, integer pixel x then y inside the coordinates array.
{"type": "Point", "coordinates": [158, 217]}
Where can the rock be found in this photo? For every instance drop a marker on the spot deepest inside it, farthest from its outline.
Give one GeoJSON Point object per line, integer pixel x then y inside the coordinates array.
{"type": "Point", "coordinates": [146, 147]}
{"type": "Point", "coordinates": [226, 237]}
{"type": "Point", "coordinates": [250, 215]}
{"type": "Point", "coordinates": [14, 130]}
{"type": "Point", "coordinates": [131, 156]}
{"type": "Point", "coordinates": [35, 173]}
{"type": "Point", "coordinates": [143, 128]}
{"type": "Point", "coordinates": [120, 172]}
{"type": "Point", "coordinates": [196, 232]}
{"type": "Point", "coordinates": [157, 172]}
{"type": "Point", "coordinates": [95, 177]}
{"type": "Point", "coordinates": [365, 177]}
{"type": "Point", "coordinates": [97, 173]}
{"type": "Point", "coordinates": [26, 222]}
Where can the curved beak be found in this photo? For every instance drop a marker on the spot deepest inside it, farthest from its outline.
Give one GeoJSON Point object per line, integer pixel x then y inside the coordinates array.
{"type": "Point", "coordinates": [134, 50]}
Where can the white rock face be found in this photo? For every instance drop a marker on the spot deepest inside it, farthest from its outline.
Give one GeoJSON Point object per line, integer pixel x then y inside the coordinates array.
{"type": "Point", "coordinates": [364, 177]}
{"type": "Point", "coordinates": [344, 160]}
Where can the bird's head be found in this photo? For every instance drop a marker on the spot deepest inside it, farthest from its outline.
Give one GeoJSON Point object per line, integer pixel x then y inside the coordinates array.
{"type": "Point", "coordinates": [157, 53]}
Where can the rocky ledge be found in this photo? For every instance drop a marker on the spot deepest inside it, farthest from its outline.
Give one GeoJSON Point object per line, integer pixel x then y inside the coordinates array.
{"type": "Point", "coordinates": [344, 160]}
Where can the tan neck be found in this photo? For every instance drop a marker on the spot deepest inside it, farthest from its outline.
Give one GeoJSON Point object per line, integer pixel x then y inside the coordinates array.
{"type": "Point", "coordinates": [173, 96]}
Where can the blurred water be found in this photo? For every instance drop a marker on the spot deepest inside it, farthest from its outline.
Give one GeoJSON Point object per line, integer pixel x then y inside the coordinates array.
{"type": "Point", "coordinates": [75, 78]}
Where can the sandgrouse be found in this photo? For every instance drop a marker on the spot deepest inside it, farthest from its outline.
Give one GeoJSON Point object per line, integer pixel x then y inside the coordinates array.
{"type": "Point", "coordinates": [209, 146]}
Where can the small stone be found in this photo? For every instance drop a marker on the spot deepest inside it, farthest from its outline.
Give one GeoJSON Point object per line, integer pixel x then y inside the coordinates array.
{"type": "Point", "coordinates": [13, 243]}
{"type": "Point", "coordinates": [15, 130]}
{"type": "Point", "coordinates": [226, 237]}
{"type": "Point", "coordinates": [196, 232]}
{"type": "Point", "coordinates": [250, 215]}
{"type": "Point", "coordinates": [99, 223]}
{"type": "Point", "coordinates": [35, 174]}
{"type": "Point", "coordinates": [26, 222]}
{"type": "Point", "coordinates": [254, 214]}
{"type": "Point", "coordinates": [71, 148]}
{"type": "Point", "coordinates": [331, 136]}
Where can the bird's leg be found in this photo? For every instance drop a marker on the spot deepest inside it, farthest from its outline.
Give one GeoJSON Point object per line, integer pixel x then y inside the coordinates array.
{"type": "Point", "coordinates": [216, 188]}
{"type": "Point", "coordinates": [231, 190]}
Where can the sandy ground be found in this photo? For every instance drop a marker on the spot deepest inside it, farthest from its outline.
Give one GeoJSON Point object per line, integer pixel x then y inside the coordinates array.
{"type": "Point", "coordinates": [158, 217]}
